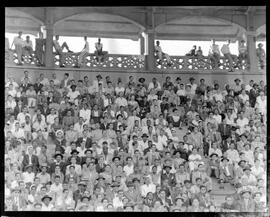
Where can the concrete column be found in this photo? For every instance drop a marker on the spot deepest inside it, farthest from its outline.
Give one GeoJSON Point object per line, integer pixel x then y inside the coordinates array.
{"type": "Point", "coordinates": [150, 59]}
{"type": "Point", "coordinates": [251, 46]}
{"type": "Point", "coordinates": [49, 59]}
{"type": "Point", "coordinates": [142, 44]}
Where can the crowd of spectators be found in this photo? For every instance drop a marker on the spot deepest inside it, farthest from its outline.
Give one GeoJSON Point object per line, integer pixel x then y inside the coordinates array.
{"type": "Point", "coordinates": [107, 145]}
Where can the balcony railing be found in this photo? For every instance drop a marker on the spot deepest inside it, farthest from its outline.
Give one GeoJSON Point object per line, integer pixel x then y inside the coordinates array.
{"type": "Point", "coordinates": [126, 62]}
{"type": "Point", "coordinates": [195, 63]}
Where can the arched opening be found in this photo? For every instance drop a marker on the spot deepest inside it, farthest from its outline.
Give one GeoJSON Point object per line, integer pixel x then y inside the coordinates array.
{"type": "Point", "coordinates": [16, 21]}
{"type": "Point", "coordinates": [177, 35]}
{"type": "Point", "coordinates": [117, 32]}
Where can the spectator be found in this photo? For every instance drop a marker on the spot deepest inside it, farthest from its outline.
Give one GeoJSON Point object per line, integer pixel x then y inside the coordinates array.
{"type": "Point", "coordinates": [100, 54]}
{"type": "Point", "coordinates": [59, 50]}
{"type": "Point", "coordinates": [261, 55]}
{"type": "Point", "coordinates": [214, 54]}
{"type": "Point", "coordinates": [227, 54]}
{"type": "Point", "coordinates": [28, 48]}
{"type": "Point", "coordinates": [84, 51]}
{"type": "Point", "coordinates": [18, 43]}
{"type": "Point", "coordinates": [160, 55]}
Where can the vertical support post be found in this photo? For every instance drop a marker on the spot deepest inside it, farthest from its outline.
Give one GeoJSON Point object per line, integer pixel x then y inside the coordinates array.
{"type": "Point", "coordinates": [49, 59]}
{"type": "Point", "coordinates": [251, 46]}
{"type": "Point", "coordinates": [150, 59]}
{"type": "Point", "coordinates": [142, 44]}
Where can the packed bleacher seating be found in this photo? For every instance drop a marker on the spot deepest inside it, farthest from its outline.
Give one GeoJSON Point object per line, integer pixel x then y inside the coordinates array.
{"type": "Point", "coordinates": [162, 146]}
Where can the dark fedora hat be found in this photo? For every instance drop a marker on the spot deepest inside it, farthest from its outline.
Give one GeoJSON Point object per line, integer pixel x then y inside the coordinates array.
{"type": "Point", "coordinates": [141, 80]}
{"type": "Point", "coordinates": [46, 196]}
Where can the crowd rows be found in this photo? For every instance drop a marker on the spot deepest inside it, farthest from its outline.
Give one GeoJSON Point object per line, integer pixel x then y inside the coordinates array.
{"type": "Point", "coordinates": [107, 145]}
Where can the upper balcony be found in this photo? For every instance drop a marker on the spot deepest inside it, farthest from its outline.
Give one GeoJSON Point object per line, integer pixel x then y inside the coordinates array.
{"type": "Point", "coordinates": [122, 62]}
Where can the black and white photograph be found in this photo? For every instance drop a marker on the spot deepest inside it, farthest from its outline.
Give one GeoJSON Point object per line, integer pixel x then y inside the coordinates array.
{"type": "Point", "coordinates": [136, 109]}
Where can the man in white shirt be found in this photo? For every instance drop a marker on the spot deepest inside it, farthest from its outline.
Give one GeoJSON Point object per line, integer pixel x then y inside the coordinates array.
{"type": "Point", "coordinates": [84, 51]}
{"type": "Point", "coordinates": [46, 203]}
{"type": "Point", "coordinates": [55, 80]}
{"type": "Point", "coordinates": [160, 55]}
{"type": "Point", "coordinates": [143, 144]}
{"type": "Point", "coordinates": [129, 168]}
{"type": "Point", "coordinates": [148, 187]}
{"type": "Point", "coordinates": [154, 83]}
{"type": "Point", "coordinates": [214, 54]}
{"type": "Point", "coordinates": [85, 113]}
{"type": "Point", "coordinates": [227, 54]}
{"type": "Point", "coordinates": [78, 127]}
{"type": "Point", "coordinates": [18, 43]}
{"type": "Point", "coordinates": [28, 175]}
{"type": "Point", "coordinates": [28, 47]}
{"type": "Point", "coordinates": [233, 154]}
{"type": "Point", "coordinates": [121, 101]}
{"type": "Point", "coordinates": [18, 132]}
{"type": "Point", "coordinates": [21, 116]}
{"type": "Point", "coordinates": [56, 187]}
{"type": "Point", "coordinates": [241, 122]}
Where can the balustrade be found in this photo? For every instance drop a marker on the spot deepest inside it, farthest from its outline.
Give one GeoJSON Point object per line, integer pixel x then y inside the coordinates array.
{"type": "Point", "coordinates": [196, 64]}
{"type": "Point", "coordinates": [126, 62]}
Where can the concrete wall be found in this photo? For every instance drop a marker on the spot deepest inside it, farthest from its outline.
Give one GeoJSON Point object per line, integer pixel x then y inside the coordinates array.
{"type": "Point", "coordinates": [222, 77]}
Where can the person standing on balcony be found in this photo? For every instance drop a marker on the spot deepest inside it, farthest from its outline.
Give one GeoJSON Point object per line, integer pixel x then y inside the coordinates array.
{"type": "Point", "coordinates": [84, 51]}
{"type": "Point", "coordinates": [160, 55]}
{"type": "Point", "coordinates": [214, 54]}
{"type": "Point", "coordinates": [227, 54]}
{"type": "Point", "coordinates": [40, 51]}
{"type": "Point", "coordinates": [28, 47]}
{"type": "Point", "coordinates": [99, 51]}
{"type": "Point", "coordinates": [18, 43]}
{"type": "Point", "coordinates": [260, 55]}
{"type": "Point", "coordinates": [243, 53]}
{"type": "Point", "coordinates": [59, 50]}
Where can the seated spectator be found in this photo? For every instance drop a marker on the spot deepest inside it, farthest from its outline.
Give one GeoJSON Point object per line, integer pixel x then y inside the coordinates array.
{"type": "Point", "coordinates": [160, 55]}
{"type": "Point", "coordinates": [59, 50]}
{"type": "Point", "coordinates": [28, 48]}
{"type": "Point", "coordinates": [100, 54]}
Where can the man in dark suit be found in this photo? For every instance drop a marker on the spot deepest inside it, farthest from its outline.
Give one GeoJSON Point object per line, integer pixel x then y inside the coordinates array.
{"type": "Point", "coordinates": [88, 154]}
{"type": "Point", "coordinates": [169, 176]}
{"type": "Point", "coordinates": [225, 132]}
{"type": "Point", "coordinates": [30, 158]}
{"type": "Point", "coordinates": [86, 139]}
{"type": "Point", "coordinates": [38, 86]}
{"type": "Point", "coordinates": [224, 128]}
{"type": "Point", "coordinates": [246, 203]}
{"type": "Point", "coordinates": [59, 162]}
